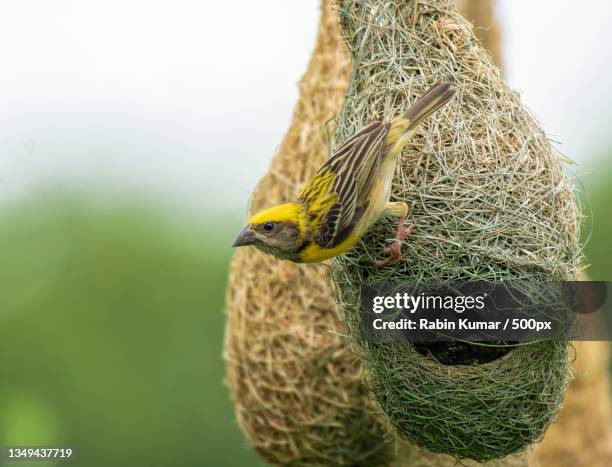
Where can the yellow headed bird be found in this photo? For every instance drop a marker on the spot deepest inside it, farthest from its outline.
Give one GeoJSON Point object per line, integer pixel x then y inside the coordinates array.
{"type": "Point", "coordinates": [346, 195]}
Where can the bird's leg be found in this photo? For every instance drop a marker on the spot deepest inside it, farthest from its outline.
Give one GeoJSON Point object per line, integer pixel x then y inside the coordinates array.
{"type": "Point", "coordinates": [393, 252]}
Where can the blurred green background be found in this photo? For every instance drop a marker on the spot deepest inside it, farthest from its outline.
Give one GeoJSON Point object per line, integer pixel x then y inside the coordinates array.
{"type": "Point", "coordinates": [597, 226]}
{"type": "Point", "coordinates": [111, 329]}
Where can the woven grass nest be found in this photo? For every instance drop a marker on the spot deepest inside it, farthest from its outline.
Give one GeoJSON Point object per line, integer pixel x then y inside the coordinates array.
{"type": "Point", "coordinates": [490, 201]}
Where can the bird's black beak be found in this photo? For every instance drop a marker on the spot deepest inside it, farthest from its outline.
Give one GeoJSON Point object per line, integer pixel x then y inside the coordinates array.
{"type": "Point", "coordinates": [245, 237]}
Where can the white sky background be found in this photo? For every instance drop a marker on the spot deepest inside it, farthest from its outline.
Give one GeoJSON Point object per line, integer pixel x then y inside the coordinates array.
{"type": "Point", "coordinates": [190, 99]}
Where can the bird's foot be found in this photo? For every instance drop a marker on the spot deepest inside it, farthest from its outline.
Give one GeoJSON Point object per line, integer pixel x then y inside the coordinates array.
{"type": "Point", "coordinates": [394, 252]}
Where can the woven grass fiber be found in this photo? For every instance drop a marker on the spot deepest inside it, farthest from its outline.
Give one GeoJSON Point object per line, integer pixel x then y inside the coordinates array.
{"type": "Point", "coordinates": [490, 201]}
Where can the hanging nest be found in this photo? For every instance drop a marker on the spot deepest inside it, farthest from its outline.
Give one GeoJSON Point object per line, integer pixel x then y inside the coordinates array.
{"type": "Point", "coordinates": [490, 201]}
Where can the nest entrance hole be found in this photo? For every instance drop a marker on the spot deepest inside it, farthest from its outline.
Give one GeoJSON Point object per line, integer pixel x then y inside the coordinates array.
{"type": "Point", "coordinates": [455, 353]}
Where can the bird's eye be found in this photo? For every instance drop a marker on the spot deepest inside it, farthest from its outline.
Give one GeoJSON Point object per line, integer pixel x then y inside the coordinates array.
{"type": "Point", "coordinates": [268, 226]}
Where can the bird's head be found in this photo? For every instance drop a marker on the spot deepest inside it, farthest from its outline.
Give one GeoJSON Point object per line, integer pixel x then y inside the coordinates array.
{"type": "Point", "coordinates": [278, 231]}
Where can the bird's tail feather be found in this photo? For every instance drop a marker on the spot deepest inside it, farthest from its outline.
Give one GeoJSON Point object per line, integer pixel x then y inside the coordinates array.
{"type": "Point", "coordinates": [403, 128]}
{"type": "Point", "coordinates": [437, 96]}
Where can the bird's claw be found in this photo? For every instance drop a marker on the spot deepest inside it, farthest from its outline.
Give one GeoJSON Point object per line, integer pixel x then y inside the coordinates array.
{"type": "Point", "coordinates": [394, 252]}
{"type": "Point", "coordinates": [403, 233]}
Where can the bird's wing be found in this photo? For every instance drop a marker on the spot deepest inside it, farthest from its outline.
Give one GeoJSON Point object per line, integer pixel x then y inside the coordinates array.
{"type": "Point", "coordinates": [338, 194]}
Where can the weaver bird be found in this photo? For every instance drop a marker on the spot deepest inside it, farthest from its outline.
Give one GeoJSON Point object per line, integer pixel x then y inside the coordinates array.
{"type": "Point", "coordinates": [346, 195]}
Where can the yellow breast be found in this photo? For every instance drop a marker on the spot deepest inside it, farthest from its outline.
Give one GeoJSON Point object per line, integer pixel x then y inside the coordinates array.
{"type": "Point", "coordinates": [314, 253]}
